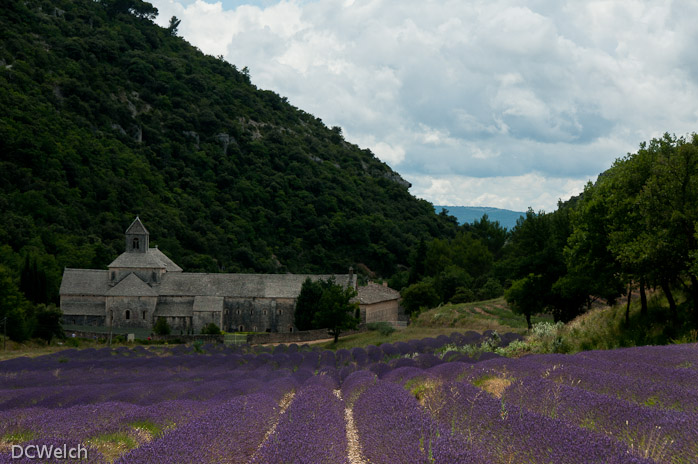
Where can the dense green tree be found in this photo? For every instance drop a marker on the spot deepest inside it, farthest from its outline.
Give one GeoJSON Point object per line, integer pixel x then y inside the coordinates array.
{"type": "Point", "coordinates": [421, 295]}
{"type": "Point", "coordinates": [336, 310]}
{"type": "Point", "coordinates": [33, 282]}
{"type": "Point", "coordinates": [308, 303]}
{"type": "Point", "coordinates": [491, 233]}
{"type": "Point", "coordinates": [592, 270]}
{"type": "Point", "coordinates": [47, 323]}
{"type": "Point", "coordinates": [527, 296]}
{"type": "Point", "coordinates": [174, 24]}
{"type": "Point", "coordinates": [14, 306]}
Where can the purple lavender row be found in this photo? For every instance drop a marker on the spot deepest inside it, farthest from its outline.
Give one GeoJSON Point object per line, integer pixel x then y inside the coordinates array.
{"type": "Point", "coordinates": [681, 356]}
{"type": "Point", "coordinates": [580, 372]}
{"type": "Point", "coordinates": [392, 426]}
{"type": "Point", "coordinates": [639, 362]}
{"type": "Point", "coordinates": [216, 354]}
{"type": "Point", "coordinates": [655, 433]}
{"type": "Point", "coordinates": [355, 384]}
{"type": "Point", "coordinates": [641, 391]}
{"type": "Point", "coordinates": [88, 421]}
{"type": "Point", "coordinates": [143, 389]}
{"type": "Point", "coordinates": [311, 430]}
{"type": "Point", "coordinates": [513, 434]}
{"type": "Point", "coordinates": [644, 364]}
{"type": "Point", "coordinates": [230, 432]}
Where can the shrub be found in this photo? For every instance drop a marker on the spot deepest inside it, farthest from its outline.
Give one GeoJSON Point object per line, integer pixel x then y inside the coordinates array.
{"type": "Point", "coordinates": [491, 289]}
{"type": "Point", "coordinates": [384, 328]}
{"type": "Point", "coordinates": [211, 329]}
{"type": "Point", "coordinates": [463, 295]}
{"type": "Point", "coordinates": [162, 327]}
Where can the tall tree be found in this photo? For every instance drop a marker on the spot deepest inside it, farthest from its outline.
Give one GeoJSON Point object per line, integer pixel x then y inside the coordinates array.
{"type": "Point", "coordinates": [527, 296]}
{"type": "Point", "coordinates": [307, 304]}
{"type": "Point", "coordinates": [336, 310]}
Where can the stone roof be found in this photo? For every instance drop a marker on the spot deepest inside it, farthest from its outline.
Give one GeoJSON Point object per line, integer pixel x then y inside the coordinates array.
{"type": "Point", "coordinates": [84, 282]}
{"type": "Point", "coordinates": [151, 259]}
{"type": "Point", "coordinates": [239, 285]}
{"type": "Point", "coordinates": [174, 308]}
{"type": "Point", "coordinates": [137, 227]}
{"type": "Point", "coordinates": [208, 303]}
{"type": "Point", "coordinates": [80, 307]}
{"type": "Point", "coordinates": [374, 293]}
{"type": "Point", "coordinates": [170, 265]}
{"type": "Point", "coordinates": [131, 285]}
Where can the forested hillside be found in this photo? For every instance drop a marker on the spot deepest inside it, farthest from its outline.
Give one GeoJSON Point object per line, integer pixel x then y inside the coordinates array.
{"type": "Point", "coordinates": [106, 116]}
{"type": "Point", "coordinates": [633, 230]}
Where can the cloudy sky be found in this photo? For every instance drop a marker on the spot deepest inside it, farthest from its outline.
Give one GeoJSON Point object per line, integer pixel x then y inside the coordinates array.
{"type": "Point", "coordinates": [500, 103]}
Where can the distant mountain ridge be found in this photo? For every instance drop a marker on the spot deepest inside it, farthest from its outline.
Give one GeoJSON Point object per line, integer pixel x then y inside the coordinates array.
{"type": "Point", "coordinates": [468, 214]}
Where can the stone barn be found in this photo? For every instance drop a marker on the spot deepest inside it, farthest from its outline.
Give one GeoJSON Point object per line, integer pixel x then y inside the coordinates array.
{"type": "Point", "coordinates": [378, 303]}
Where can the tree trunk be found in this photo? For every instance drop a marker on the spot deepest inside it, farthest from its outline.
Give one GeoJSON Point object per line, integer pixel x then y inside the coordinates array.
{"type": "Point", "coordinates": [672, 303]}
{"type": "Point", "coordinates": [336, 336]}
{"type": "Point", "coordinates": [528, 321]}
{"type": "Point", "coordinates": [627, 307]}
{"type": "Point", "coordinates": [643, 298]}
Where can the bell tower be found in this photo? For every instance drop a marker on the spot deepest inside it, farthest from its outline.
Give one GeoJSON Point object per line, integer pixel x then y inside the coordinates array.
{"type": "Point", "coordinates": [137, 237]}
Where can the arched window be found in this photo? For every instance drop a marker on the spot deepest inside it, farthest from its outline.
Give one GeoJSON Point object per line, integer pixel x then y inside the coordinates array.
{"type": "Point", "coordinates": [143, 315]}
{"type": "Point", "coordinates": [136, 245]}
{"type": "Point", "coordinates": [265, 312]}
{"type": "Point", "coordinates": [241, 328]}
{"type": "Point", "coordinates": [127, 315]}
{"type": "Point", "coordinates": [290, 328]}
{"type": "Point", "coordinates": [280, 311]}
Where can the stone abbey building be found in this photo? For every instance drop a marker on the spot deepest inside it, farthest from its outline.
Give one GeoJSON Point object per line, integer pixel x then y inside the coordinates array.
{"type": "Point", "coordinates": [143, 284]}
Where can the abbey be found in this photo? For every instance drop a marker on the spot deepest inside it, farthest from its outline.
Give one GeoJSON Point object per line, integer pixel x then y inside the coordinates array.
{"type": "Point", "coordinates": [143, 284]}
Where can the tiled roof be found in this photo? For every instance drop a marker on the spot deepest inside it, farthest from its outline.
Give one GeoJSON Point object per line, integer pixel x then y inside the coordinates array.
{"type": "Point", "coordinates": [151, 259]}
{"type": "Point", "coordinates": [170, 265]}
{"type": "Point", "coordinates": [374, 293]}
{"type": "Point", "coordinates": [208, 303]}
{"type": "Point", "coordinates": [131, 285]}
{"type": "Point", "coordinates": [174, 308]}
{"type": "Point", "coordinates": [84, 282]}
{"type": "Point", "coordinates": [137, 227]}
{"type": "Point", "coordinates": [84, 307]}
{"type": "Point", "coordinates": [238, 285]}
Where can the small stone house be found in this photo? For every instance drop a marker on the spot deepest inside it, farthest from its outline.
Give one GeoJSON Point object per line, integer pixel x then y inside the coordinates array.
{"type": "Point", "coordinates": [378, 303]}
{"type": "Point", "coordinates": [143, 284]}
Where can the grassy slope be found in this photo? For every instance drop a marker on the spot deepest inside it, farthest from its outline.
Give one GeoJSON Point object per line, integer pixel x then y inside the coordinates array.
{"type": "Point", "coordinates": [480, 315]}
{"type": "Point", "coordinates": [605, 328]}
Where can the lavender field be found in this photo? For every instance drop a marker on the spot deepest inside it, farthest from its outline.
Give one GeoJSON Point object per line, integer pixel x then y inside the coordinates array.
{"type": "Point", "coordinates": [396, 403]}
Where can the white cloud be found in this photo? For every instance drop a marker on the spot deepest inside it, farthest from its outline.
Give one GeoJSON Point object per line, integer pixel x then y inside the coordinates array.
{"type": "Point", "coordinates": [526, 100]}
{"type": "Point", "coordinates": [509, 192]}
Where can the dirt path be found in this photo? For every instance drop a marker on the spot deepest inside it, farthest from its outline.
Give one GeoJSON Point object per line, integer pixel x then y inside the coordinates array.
{"type": "Point", "coordinates": [353, 445]}
{"type": "Point", "coordinates": [309, 342]}
{"type": "Point", "coordinates": [283, 404]}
